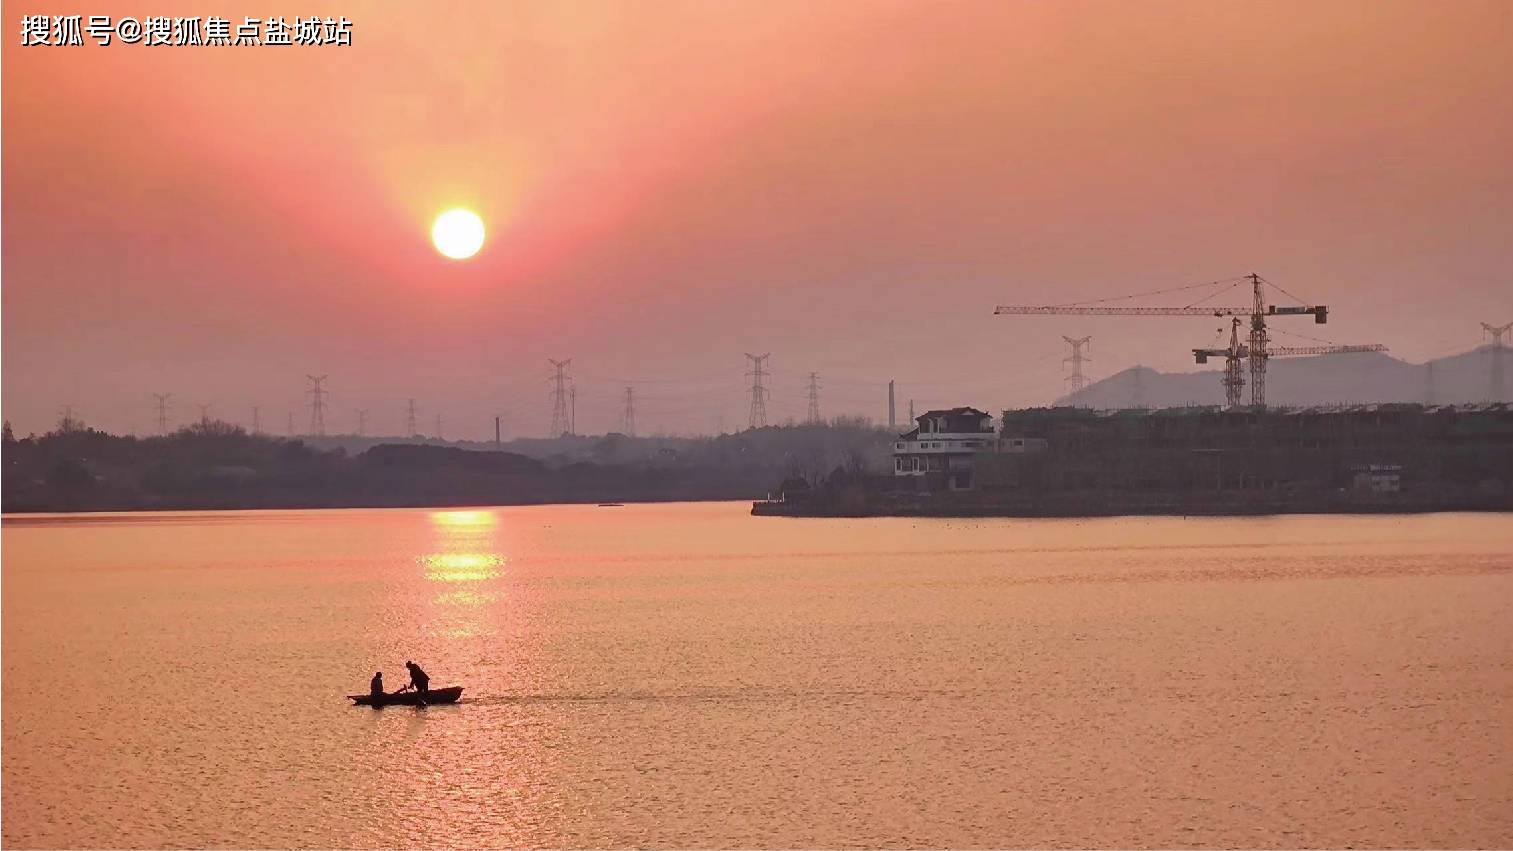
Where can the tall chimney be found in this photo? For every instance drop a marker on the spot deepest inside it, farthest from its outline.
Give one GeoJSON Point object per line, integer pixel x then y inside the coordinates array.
{"type": "Point", "coordinates": [496, 431]}
{"type": "Point", "coordinates": [892, 418]}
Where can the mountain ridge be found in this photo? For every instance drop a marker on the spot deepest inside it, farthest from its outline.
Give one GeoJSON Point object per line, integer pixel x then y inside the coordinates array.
{"type": "Point", "coordinates": [1354, 378]}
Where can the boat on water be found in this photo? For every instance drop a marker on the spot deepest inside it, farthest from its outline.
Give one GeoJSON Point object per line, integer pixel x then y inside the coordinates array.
{"type": "Point", "coordinates": [411, 698]}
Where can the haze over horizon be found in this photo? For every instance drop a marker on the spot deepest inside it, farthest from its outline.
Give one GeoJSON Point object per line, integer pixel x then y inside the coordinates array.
{"type": "Point", "coordinates": [851, 187]}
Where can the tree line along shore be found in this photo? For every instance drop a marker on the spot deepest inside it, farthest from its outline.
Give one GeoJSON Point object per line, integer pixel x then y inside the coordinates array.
{"type": "Point", "coordinates": [214, 465]}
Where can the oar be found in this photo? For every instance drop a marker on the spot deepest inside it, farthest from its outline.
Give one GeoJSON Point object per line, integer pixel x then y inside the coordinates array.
{"type": "Point", "coordinates": [410, 686]}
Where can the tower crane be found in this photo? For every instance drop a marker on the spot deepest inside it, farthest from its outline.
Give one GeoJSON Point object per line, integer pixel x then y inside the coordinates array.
{"type": "Point", "coordinates": [1234, 379]}
{"type": "Point", "coordinates": [1258, 311]}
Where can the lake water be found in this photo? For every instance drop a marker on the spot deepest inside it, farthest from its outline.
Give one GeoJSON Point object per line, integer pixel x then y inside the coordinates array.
{"type": "Point", "coordinates": [688, 675]}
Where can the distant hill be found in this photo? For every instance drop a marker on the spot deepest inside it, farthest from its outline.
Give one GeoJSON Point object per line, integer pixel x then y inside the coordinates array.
{"type": "Point", "coordinates": [1318, 380]}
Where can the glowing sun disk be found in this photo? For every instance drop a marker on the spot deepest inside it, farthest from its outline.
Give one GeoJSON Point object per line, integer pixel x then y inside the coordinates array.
{"type": "Point", "coordinates": [457, 233]}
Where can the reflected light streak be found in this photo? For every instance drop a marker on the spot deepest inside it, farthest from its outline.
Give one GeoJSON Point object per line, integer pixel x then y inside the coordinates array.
{"type": "Point", "coordinates": [465, 599]}
{"type": "Point", "coordinates": [462, 567]}
{"type": "Point", "coordinates": [464, 518]}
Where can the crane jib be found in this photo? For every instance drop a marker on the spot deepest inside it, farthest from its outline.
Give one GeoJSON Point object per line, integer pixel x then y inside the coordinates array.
{"type": "Point", "coordinates": [1320, 313]}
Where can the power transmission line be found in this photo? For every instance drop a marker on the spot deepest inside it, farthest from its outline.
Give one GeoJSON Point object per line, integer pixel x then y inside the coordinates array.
{"type": "Point", "coordinates": [1077, 380]}
{"type": "Point", "coordinates": [560, 422]}
{"type": "Point", "coordinates": [758, 415]}
{"type": "Point", "coordinates": [814, 398]}
{"type": "Point", "coordinates": [1496, 332]}
{"type": "Point", "coordinates": [162, 405]}
{"type": "Point", "coordinates": [317, 405]}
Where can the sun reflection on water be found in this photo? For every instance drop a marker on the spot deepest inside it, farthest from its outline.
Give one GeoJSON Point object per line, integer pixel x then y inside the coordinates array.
{"type": "Point", "coordinates": [470, 518]}
{"type": "Point", "coordinates": [465, 564]}
{"type": "Point", "coordinates": [462, 567]}
{"type": "Point", "coordinates": [465, 598]}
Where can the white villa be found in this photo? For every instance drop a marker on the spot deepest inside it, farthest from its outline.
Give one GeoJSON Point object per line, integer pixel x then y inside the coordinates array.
{"type": "Point", "coordinates": [937, 455]}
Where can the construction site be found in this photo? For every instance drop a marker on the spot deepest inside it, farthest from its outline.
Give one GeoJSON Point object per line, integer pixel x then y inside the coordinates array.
{"type": "Point", "coordinates": [1206, 460]}
{"type": "Point", "coordinates": [1242, 457]}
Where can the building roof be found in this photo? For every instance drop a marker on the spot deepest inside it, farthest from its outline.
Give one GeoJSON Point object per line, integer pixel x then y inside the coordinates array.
{"type": "Point", "coordinates": [952, 412]}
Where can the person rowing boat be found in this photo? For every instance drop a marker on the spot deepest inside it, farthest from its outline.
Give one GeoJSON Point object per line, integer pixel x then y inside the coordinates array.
{"type": "Point", "coordinates": [418, 679]}
{"type": "Point", "coordinates": [417, 693]}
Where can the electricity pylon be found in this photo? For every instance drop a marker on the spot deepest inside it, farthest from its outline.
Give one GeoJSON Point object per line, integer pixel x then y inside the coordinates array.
{"type": "Point", "coordinates": [317, 404]}
{"type": "Point", "coordinates": [560, 423]}
{"type": "Point", "coordinates": [162, 404]}
{"type": "Point", "coordinates": [1077, 380]}
{"type": "Point", "coordinates": [628, 417]}
{"type": "Point", "coordinates": [758, 415]}
{"type": "Point", "coordinates": [814, 399]}
{"type": "Point", "coordinates": [1497, 332]}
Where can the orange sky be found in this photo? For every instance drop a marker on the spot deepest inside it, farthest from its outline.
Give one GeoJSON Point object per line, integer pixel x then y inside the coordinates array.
{"type": "Point", "coordinates": [851, 186]}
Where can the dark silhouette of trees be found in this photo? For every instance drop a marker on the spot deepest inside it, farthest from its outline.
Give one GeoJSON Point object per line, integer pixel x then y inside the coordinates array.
{"type": "Point", "coordinates": [213, 464]}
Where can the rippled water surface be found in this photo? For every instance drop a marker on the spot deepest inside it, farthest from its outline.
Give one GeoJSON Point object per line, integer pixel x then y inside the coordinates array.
{"type": "Point", "coordinates": [688, 675]}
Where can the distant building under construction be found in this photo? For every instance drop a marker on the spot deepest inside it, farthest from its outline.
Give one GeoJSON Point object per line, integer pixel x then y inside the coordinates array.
{"type": "Point", "coordinates": [1279, 451]}
{"type": "Point", "coordinates": [1200, 460]}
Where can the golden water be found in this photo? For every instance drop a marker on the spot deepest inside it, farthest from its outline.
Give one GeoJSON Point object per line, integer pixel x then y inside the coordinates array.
{"type": "Point", "coordinates": [688, 675]}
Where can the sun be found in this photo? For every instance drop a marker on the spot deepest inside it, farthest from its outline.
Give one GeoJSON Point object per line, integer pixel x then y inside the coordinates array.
{"type": "Point", "coordinates": [458, 233]}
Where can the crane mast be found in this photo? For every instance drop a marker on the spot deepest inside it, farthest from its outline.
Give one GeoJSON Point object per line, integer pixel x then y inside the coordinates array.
{"type": "Point", "coordinates": [1234, 378]}
{"type": "Point", "coordinates": [1258, 350]}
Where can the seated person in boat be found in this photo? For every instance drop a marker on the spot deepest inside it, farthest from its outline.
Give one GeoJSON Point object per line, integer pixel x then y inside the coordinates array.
{"type": "Point", "coordinates": [418, 678]}
{"type": "Point", "coordinates": [376, 687]}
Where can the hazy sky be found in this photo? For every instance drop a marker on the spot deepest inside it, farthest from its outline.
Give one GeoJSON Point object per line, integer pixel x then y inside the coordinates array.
{"type": "Point", "coordinates": [851, 186]}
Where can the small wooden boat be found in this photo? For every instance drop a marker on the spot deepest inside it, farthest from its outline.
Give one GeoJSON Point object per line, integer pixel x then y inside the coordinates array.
{"type": "Point", "coordinates": [411, 698]}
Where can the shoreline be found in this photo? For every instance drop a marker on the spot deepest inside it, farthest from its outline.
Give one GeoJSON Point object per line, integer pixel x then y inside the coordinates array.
{"type": "Point", "coordinates": [443, 505]}
{"type": "Point", "coordinates": [1125, 508]}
